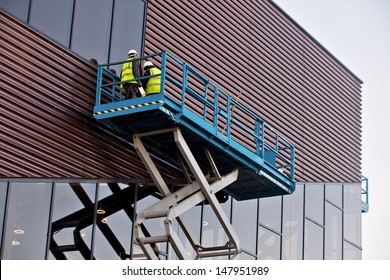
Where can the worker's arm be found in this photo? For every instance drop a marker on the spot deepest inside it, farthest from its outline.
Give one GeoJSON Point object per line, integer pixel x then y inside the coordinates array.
{"type": "Point", "coordinates": [137, 70]}
{"type": "Point", "coordinates": [145, 80]}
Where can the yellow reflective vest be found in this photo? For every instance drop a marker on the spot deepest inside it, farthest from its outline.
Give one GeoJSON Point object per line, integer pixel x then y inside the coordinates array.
{"type": "Point", "coordinates": [127, 73]}
{"type": "Point", "coordinates": [154, 83]}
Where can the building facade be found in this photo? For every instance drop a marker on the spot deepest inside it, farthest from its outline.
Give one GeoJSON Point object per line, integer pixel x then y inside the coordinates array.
{"type": "Point", "coordinates": [71, 187]}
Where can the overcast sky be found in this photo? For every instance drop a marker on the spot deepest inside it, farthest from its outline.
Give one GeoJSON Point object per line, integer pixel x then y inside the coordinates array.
{"type": "Point", "coordinates": [357, 32]}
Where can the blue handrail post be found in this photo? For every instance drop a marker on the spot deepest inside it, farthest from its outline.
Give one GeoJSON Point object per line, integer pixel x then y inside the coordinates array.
{"type": "Point", "coordinates": [216, 110]}
{"type": "Point", "coordinates": [99, 85]}
{"type": "Point", "coordinates": [262, 140]}
{"type": "Point", "coordinates": [292, 156]}
{"type": "Point", "coordinates": [257, 136]}
{"type": "Point", "coordinates": [163, 71]}
{"type": "Point", "coordinates": [229, 115]}
{"type": "Point", "coordinates": [184, 86]}
{"type": "Point", "coordinates": [113, 88]}
{"type": "Point", "coordinates": [206, 84]}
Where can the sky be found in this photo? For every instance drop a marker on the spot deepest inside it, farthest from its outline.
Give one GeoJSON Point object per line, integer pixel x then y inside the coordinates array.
{"type": "Point", "coordinates": [357, 33]}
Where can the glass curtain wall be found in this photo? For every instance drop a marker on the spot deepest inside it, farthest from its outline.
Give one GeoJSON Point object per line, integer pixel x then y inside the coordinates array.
{"type": "Point", "coordinates": [94, 220]}
{"type": "Point", "coordinates": [26, 223]}
{"type": "Point", "coordinates": [104, 30]}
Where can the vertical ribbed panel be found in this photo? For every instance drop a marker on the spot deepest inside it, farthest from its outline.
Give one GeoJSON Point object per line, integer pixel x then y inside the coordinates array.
{"type": "Point", "coordinates": [255, 52]}
{"type": "Point", "coordinates": [47, 129]}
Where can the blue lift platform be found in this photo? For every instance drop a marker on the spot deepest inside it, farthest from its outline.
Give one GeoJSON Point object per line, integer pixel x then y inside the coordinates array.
{"type": "Point", "coordinates": [194, 125]}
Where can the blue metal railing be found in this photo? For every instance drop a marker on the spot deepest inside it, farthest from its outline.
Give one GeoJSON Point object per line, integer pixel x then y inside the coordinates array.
{"type": "Point", "coordinates": [229, 119]}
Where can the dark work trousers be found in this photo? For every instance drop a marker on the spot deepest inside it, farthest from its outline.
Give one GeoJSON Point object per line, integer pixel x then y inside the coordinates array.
{"type": "Point", "coordinates": [131, 91]}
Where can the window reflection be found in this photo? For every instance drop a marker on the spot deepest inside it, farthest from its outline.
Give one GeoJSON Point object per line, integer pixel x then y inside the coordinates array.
{"type": "Point", "coordinates": [293, 224]}
{"type": "Point", "coordinates": [334, 194]}
{"type": "Point", "coordinates": [314, 241]}
{"type": "Point", "coordinates": [125, 38]}
{"type": "Point", "coordinates": [213, 233]}
{"type": "Point", "coordinates": [91, 29]}
{"type": "Point", "coordinates": [193, 218]}
{"type": "Point", "coordinates": [314, 202]}
{"type": "Point", "coordinates": [352, 214]}
{"type": "Point", "coordinates": [27, 221]}
{"type": "Point", "coordinates": [54, 18]}
{"type": "Point", "coordinates": [90, 25]}
{"type": "Point", "coordinates": [245, 223]}
{"type": "Point", "coordinates": [74, 213]}
{"type": "Point", "coordinates": [351, 252]}
{"type": "Point", "coordinates": [245, 256]}
{"type": "Point", "coordinates": [3, 196]}
{"type": "Point", "coordinates": [154, 227]}
{"type": "Point", "coordinates": [17, 8]}
{"type": "Point", "coordinates": [115, 212]}
{"type": "Point", "coordinates": [269, 245]}
{"type": "Point", "coordinates": [72, 220]}
{"type": "Point", "coordinates": [333, 232]}
{"type": "Point", "coordinates": [270, 212]}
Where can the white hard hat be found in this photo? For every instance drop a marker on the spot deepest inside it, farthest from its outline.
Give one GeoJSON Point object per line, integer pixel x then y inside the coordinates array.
{"type": "Point", "coordinates": [148, 64]}
{"type": "Point", "coordinates": [132, 52]}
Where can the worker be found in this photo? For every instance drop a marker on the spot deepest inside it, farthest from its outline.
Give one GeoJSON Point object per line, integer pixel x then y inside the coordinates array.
{"type": "Point", "coordinates": [152, 85]}
{"type": "Point", "coordinates": [130, 71]}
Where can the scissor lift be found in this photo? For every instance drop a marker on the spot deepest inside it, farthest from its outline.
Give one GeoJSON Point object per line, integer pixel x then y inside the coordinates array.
{"type": "Point", "coordinates": [220, 146]}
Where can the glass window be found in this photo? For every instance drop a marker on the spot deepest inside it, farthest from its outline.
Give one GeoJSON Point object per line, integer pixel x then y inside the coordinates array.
{"type": "Point", "coordinates": [293, 224]}
{"type": "Point", "coordinates": [270, 212]}
{"type": "Point", "coordinates": [269, 245]}
{"type": "Point", "coordinates": [333, 232]}
{"type": "Point", "coordinates": [245, 223]}
{"type": "Point", "coordinates": [334, 194]}
{"type": "Point", "coordinates": [314, 241]}
{"type": "Point", "coordinates": [213, 234]}
{"type": "Point", "coordinates": [351, 252]}
{"type": "Point", "coordinates": [3, 196]}
{"type": "Point", "coordinates": [154, 227]}
{"type": "Point", "coordinates": [27, 221]}
{"type": "Point", "coordinates": [72, 220]}
{"type": "Point", "coordinates": [314, 202]}
{"type": "Point", "coordinates": [193, 218]}
{"type": "Point", "coordinates": [17, 8]}
{"type": "Point", "coordinates": [103, 250]}
{"type": "Point", "coordinates": [245, 256]}
{"type": "Point", "coordinates": [114, 221]}
{"type": "Point", "coordinates": [352, 213]}
{"type": "Point", "coordinates": [91, 29]}
{"type": "Point", "coordinates": [127, 31]}
{"type": "Point", "coordinates": [53, 17]}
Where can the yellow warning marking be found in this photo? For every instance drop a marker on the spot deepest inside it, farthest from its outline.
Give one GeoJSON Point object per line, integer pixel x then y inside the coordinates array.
{"type": "Point", "coordinates": [132, 107]}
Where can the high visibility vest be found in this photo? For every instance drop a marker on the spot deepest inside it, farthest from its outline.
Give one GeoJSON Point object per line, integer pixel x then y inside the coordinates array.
{"type": "Point", "coordinates": [127, 72]}
{"type": "Point", "coordinates": [154, 83]}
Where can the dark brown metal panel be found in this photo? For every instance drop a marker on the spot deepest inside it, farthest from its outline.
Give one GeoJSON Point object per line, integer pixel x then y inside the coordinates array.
{"type": "Point", "coordinates": [47, 128]}
{"type": "Point", "coordinates": [254, 51]}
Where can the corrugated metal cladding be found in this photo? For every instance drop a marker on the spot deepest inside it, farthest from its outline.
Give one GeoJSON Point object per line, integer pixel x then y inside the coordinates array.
{"type": "Point", "coordinates": [254, 51]}
{"type": "Point", "coordinates": [47, 128]}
